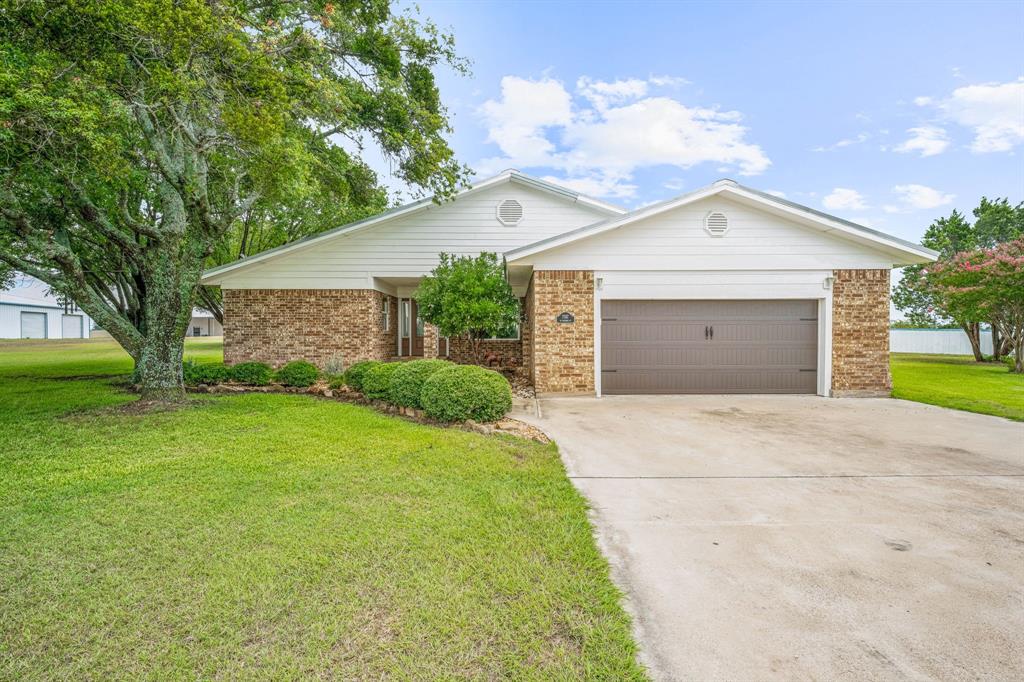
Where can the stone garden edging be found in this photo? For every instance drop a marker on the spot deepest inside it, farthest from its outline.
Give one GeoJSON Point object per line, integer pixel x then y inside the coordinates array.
{"type": "Point", "coordinates": [506, 425]}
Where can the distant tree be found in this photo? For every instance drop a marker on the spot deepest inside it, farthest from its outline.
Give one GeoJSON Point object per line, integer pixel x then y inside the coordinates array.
{"type": "Point", "coordinates": [987, 284]}
{"type": "Point", "coordinates": [997, 222]}
{"type": "Point", "coordinates": [7, 275]}
{"type": "Point", "coordinates": [468, 297]}
{"type": "Point", "coordinates": [137, 135]}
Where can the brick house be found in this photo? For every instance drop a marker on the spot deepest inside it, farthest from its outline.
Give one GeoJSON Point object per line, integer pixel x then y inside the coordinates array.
{"type": "Point", "coordinates": [723, 290]}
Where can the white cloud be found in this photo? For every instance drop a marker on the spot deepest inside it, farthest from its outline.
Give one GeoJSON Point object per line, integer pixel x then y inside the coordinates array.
{"type": "Point", "coordinates": [611, 130]}
{"type": "Point", "coordinates": [517, 122]}
{"type": "Point", "coordinates": [602, 94]}
{"type": "Point", "coordinates": [846, 142]}
{"type": "Point", "coordinates": [668, 81]}
{"type": "Point", "coordinates": [928, 140]}
{"type": "Point", "coordinates": [674, 184]}
{"type": "Point", "coordinates": [844, 199]}
{"type": "Point", "coordinates": [599, 185]}
{"type": "Point", "coordinates": [994, 111]}
{"type": "Point", "coordinates": [918, 197]}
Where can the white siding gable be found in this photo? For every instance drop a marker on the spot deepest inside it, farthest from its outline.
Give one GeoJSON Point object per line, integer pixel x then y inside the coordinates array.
{"type": "Point", "coordinates": [677, 240]}
{"type": "Point", "coordinates": [408, 246]}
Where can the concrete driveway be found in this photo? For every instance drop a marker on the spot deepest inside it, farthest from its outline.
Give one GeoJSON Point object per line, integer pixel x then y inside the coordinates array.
{"type": "Point", "coordinates": [793, 537]}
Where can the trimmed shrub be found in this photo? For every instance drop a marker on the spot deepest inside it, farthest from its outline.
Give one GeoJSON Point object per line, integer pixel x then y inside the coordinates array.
{"type": "Point", "coordinates": [194, 373]}
{"type": "Point", "coordinates": [298, 373]}
{"type": "Point", "coordinates": [336, 382]}
{"type": "Point", "coordinates": [354, 375]}
{"type": "Point", "coordinates": [252, 373]}
{"type": "Point", "coordinates": [407, 380]}
{"type": "Point", "coordinates": [377, 380]}
{"type": "Point", "coordinates": [462, 392]}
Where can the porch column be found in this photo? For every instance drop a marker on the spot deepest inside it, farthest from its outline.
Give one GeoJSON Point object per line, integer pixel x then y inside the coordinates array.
{"type": "Point", "coordinates": [430, 338]}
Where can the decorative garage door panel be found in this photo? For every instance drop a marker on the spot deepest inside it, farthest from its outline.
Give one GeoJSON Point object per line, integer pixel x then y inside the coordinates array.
{"type": "Point", "coordinates": [709, 346]}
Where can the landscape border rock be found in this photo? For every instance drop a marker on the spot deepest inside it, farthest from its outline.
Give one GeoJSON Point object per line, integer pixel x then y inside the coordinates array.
{"type": "Point", "coordinates": [505, 425]}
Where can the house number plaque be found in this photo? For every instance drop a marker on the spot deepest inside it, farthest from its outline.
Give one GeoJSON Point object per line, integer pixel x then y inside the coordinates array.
{"type": "Point", "coordinates": [566, 318]}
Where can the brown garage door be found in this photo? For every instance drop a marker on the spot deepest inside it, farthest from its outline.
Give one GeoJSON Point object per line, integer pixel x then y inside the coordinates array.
{"type": "Point", "coordinates": [709, 346]}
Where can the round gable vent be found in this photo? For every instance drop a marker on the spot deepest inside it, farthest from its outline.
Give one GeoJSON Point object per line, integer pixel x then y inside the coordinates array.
{"type": "Point", "coordinates": [716, 224]}
{"type": "Point", "coordinates": [510, 212]}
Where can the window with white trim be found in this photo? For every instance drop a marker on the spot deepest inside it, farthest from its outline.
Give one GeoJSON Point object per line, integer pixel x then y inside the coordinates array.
{"type": "Point", "coordinates": [385, 312]}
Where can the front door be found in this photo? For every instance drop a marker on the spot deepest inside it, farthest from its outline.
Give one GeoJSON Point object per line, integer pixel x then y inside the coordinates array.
{"type": "Point", "coordinates": [412, 329]}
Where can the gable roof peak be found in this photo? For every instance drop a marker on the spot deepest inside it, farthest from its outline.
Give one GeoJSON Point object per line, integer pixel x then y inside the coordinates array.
{"type": "Point", "coordinates": [810, 216]}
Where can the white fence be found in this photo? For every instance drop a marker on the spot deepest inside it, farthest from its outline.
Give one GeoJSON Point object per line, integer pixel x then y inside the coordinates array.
{"type": "Point", "coordinates": [940, 341]}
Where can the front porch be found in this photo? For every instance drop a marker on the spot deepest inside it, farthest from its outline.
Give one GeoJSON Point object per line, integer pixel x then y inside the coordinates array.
{"type": "Point", "coordinates": [415, 338]}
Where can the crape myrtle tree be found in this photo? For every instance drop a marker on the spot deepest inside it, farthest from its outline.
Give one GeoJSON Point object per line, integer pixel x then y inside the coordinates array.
{"type": "Point", "coordinates": [997, 222]}
{"type": "Point", "coordinates": [468, 297]}
{"type": "Point", "coordinates": [916, 295]}
{"type": "Point", "coordinates": [136, 137]}
{"type": "Point", "coordinates": [987, 284]}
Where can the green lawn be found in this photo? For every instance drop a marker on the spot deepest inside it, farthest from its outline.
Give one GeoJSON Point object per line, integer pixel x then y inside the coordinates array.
{"type": "Point", "coordinates": [277, 536]}
{"type": "Point", "coordinates": [958, 382]}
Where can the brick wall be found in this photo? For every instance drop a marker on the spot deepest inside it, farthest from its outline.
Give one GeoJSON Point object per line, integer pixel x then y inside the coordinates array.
{"type": "Point", "coordinates": [508, 353]}
{"type": "Point", "coordinates": [860, 333]}
{"type": "Point", "coordinates": [562, 355]}
{"type": "Point", "coordinates": [279, 325]}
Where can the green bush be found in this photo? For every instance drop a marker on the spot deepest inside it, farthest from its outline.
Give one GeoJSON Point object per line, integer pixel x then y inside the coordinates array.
{"type": "Point", "coordinates": [377, 380]}
{"type": "Point", "coordinates": [252, 373]}
{"type": "Point", "coordinates": [298, 373]}
{"type": "Point", "coordinates": [335, 382]}
{"type": "Point", "coordinates": [195, 373]}
{"type": "Point", "coordinates": [407, 380]}
{"type": "Point", "coordinates": [463, 392]}
{"type": "Point", "coordinates": [354, 375]}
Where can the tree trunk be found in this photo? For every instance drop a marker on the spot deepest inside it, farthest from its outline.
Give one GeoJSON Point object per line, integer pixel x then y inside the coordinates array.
{"type": "Point", "coordinates": [170, 291]}
{"type": "Point", "coordinates": [210, 299]}
{"type": "Point", "coordinates": [973, 331]}
{"type": "Point", "coordinates": [997, 343]}
{"type": "Point", "coordinates": [474, 346]}
{"type": "Point", "coordinates": [1005, 346]}
{"type": "Point", "coordinates": [158, 368]}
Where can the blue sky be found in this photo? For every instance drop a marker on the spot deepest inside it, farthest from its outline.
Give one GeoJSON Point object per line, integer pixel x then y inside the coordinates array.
{"type": "Point", "coordinates": [888, 114]}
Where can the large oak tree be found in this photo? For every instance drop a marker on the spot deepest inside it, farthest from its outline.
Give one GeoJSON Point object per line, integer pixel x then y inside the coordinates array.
{"type": "Point", "coordinates": [137, 136]}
